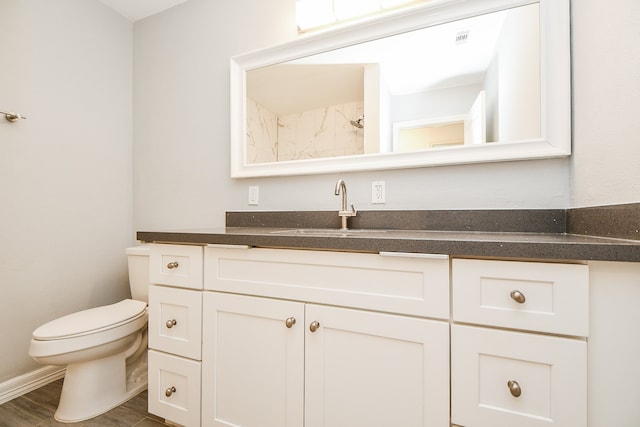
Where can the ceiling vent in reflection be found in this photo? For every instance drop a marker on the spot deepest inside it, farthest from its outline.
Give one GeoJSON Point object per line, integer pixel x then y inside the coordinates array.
{"type": "Point", "coordinates": [462, 37]}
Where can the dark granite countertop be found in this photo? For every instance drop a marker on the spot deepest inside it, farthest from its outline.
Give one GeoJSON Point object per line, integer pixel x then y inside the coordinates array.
{"type": "Point", "coordinates": [606, 233]}
{"type": "Point", "coordinates": [560, 246]}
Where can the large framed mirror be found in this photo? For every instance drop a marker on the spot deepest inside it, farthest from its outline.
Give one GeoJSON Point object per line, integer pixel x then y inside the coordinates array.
{"type": "Point", "coordinates": [442, 83]}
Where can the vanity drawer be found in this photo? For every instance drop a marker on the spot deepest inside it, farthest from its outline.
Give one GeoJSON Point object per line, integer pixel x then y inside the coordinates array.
{"type": "Point", "coordinates": [550, 373]}
{"type": "Point", "coordinates": [545, 297]}
{"type": "Point", "coordinates": [174, 388]}
{"type": "Point", "coordinates": [175, 321]}
{"type": "Point", "coordinates": [413, 284]}
{"type": "Point", "coordinates": [176, 265]}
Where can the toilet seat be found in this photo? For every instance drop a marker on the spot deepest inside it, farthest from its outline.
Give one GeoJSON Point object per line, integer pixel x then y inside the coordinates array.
{"type": "Point", "coordinates": [91, 321]}
{"type": "Point", "coordinates": [89, 328]}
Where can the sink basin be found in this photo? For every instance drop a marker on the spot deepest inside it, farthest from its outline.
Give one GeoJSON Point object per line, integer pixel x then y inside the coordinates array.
{"type": "Point", "coordinates": [324, 232]}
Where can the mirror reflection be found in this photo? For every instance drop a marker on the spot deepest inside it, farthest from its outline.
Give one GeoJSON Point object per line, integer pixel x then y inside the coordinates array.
{"type": "Point", "coordinates": [469, 82]}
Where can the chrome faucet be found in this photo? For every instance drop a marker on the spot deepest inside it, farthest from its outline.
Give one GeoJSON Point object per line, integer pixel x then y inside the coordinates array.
{"type": "Point", "coordinates": [343, 212]}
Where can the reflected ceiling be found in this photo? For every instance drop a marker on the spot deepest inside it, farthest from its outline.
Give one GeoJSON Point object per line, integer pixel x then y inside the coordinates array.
{"type": "Point", "coordinates": [425, 59]}
{"type": "Point", "coordinates": [135, 10]}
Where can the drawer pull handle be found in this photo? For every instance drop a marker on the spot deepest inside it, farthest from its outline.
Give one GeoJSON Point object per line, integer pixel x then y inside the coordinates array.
{"type": "Point", "coordinates": [290, 322]}
{"type": "Point", "coordinates": [517, 296]}
{"type": "Point", "coordinates": [171, 323]}
{"type": "Point", "coordinates": [314, 326]}
{"type": "Point", "coordinates": [173, 265]}
{"type": "Point", "coordinates": [514, 388]}
{"type": "Point", "coordinates": [168, 392]}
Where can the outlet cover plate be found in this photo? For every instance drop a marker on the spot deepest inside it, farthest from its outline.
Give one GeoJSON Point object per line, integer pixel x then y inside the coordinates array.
{"type": "Point", "coordinates": [378, 193]}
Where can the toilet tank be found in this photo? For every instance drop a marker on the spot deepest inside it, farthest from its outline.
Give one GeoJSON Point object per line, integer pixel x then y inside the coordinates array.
{"type": "Point", "coordinates": [139, 272]}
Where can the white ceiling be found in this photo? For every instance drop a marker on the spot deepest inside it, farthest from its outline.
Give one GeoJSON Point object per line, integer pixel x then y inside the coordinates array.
{"type": "Point", "coordinates": [138, 9]}
{"type": "Point", "coordinates": [411, 62]}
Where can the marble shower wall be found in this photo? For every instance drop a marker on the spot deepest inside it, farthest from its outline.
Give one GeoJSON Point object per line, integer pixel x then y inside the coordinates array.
{"type": "Point", "coordinates": [262, 134]}
{"type": "Point", "coordinates": [322, 132]}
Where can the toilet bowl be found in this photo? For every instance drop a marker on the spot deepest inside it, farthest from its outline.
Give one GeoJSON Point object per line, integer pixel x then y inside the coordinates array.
{"type": "Point", "coordinates": [104, 349]}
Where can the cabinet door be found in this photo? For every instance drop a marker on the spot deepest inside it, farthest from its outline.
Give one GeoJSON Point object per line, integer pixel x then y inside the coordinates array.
{"type": "Point", "coordinates": [253, 362]}
{"type": "Point", "coordinates": [366, 369]}
{"type": "Point", "coordinates": [504, 378]}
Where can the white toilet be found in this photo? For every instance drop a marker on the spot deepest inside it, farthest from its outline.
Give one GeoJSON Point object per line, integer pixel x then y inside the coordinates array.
{"type": "Point", "coordinates": [104, 348]}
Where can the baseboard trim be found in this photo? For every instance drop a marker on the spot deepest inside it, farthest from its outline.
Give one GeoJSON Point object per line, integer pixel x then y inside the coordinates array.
{"type": "Point", "coordinates": [30, 381]}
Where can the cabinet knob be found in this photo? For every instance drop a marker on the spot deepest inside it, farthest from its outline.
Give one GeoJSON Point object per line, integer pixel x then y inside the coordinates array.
{"type": "Point", "coordinates": [517, 296]}
{"type": "Point", "coordinates": [171, 323]}
{"type": "Point", "coordinates": [514, 388]}
{"type": "Point", "coordinates": [168, 392]}
{"type": "Point", "coordinates": [314, 326]}
{"type": "Point", "coordinates": [173, 265]}
{"type": "Point", "coordinates": [290, 322]}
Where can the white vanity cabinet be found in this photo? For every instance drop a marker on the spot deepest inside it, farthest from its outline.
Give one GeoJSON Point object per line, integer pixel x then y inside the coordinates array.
{"type": "Point", "coordinates": [243, 336]}
{"type": "Point", "coordinates": [175, 332]}
{"type": "Point", "coordinates": [324, 339]}
{"type": "Point", "coordinates": [518, 344]}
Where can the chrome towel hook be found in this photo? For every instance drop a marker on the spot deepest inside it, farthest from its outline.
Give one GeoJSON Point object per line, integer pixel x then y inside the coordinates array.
{"type": "Point", "coordinates": [12, 117]}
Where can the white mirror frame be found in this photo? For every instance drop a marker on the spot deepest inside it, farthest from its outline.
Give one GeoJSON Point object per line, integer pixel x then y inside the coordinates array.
{"type": "Point", "coordinates": [555, 93]}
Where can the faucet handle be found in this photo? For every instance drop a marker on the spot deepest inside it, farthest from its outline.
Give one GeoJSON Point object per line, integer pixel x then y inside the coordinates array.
{"type": "Point", "coordinates": [347, 213]}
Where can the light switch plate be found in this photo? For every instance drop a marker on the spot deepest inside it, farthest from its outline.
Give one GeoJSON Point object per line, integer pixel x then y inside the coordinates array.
{"type": "Point", "coordinates": [254, 195]}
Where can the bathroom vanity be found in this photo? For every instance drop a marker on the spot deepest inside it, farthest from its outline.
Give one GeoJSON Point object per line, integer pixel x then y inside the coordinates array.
{"type": "Point", "coordinates": [309, 327]}
{"type": "Point", "coordinates": [409, 319]}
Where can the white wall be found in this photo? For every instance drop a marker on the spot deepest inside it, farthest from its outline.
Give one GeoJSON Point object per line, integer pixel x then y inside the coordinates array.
{"type": "Point", "coordinates": [181, 106]}
{"type": "Point", "coordinates": [65, 171]}
{"type": "Point", "coordinates": [433, 104]}
{"type": "Point", "coordinates": [606, 90]}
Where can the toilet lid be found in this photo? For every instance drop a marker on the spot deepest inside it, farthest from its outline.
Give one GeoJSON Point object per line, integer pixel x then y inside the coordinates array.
{"type": "Point", "coordinates": [91, 320]}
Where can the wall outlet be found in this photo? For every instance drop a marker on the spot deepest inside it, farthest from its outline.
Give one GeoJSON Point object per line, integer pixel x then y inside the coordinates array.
{"type": "Point", "coordinates": [254, 195]}
{"type": "Point", "coordinates": [377, 192]}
